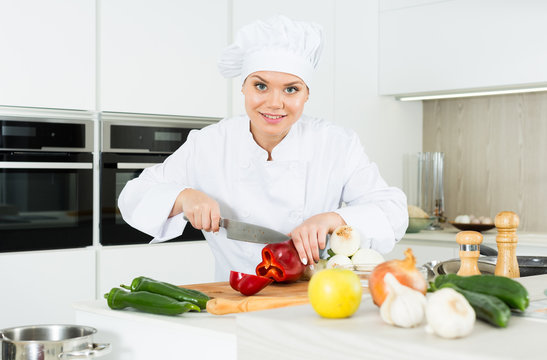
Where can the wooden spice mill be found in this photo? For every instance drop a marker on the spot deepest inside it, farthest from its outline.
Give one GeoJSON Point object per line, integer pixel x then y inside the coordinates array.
{"type": "Point", "coordinates": [506, 223]}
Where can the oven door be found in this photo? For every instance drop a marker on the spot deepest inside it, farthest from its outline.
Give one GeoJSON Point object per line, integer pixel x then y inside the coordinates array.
{"type": "Point", "coordinates": [45, 200]}
{"type": "Point", "coordinates": [116, 170]}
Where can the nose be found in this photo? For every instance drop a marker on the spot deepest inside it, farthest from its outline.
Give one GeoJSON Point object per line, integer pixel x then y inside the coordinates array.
{"type": "Point", "coordinates": [275, 100]}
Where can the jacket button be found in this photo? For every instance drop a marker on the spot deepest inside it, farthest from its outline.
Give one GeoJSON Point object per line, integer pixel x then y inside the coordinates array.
{"type": "Point", "coordinates": [245, 213]}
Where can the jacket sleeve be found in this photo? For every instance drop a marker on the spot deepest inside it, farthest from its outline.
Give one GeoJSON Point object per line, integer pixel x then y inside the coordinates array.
{"type": "Point", "coordinates": [146, 201]}
{"type": "Point", "coordinates": [377, 210]}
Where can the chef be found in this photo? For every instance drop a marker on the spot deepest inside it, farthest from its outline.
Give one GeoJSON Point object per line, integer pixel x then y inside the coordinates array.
{"type": "Point", "coordinates": [273, 166]}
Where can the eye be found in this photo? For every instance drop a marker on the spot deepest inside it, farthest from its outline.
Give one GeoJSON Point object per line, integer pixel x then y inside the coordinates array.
{"type": "Point", "coordinates": [261, 86]}
{"type": "Point", "coordinates": [291, 90]}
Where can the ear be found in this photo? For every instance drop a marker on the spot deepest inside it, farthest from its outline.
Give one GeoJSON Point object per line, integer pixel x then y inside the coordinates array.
{"type": "Point", "coordinates": [243, 86]}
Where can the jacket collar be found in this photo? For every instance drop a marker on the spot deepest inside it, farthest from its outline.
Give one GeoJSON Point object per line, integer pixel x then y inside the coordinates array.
{"type": "Point", "coordinates": [287, 149]}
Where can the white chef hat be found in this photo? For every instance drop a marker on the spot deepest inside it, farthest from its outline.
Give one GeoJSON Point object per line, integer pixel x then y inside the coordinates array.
{"type": "Point", "coordinates": [277, 44]}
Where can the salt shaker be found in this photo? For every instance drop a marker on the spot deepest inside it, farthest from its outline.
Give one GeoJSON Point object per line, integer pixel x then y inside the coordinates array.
{"type": "Point", "coordinates": [469, 252]}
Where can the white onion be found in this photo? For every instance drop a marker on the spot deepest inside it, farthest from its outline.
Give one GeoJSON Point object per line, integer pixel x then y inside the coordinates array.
{"type": "Point", "coordinates": [345, 241]}
{"type": "Point", "coordinates": [367, 256]}
{"type": "Point", "coordinates": [337, 261]}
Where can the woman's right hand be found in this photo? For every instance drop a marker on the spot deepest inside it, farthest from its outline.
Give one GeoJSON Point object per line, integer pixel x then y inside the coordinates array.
{"type": "Point", "coordinates": [202, 211]}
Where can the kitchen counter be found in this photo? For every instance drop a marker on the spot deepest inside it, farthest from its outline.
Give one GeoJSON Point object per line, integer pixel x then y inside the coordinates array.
{"type": "Point", "coordinates": [448, 235]}
{"type": "Point", "coordinates": [135, 335]}
{"type": "Point", "coordinates": [298, 332]}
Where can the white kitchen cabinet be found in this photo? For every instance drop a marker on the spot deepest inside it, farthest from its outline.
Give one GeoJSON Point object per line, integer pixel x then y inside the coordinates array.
{"type": "Point", "coordinates": [48, 53]}
{"type": "Point", "coordinates": [39, 287]}
{"type": "Point", "coordinates": [321, 101]}
{"type": "Point", "coordinates": [159, 57]}
{"type": "Point", "coordinates": [445, 46]}
{"type": "Point", "coordinates": [178, 263]}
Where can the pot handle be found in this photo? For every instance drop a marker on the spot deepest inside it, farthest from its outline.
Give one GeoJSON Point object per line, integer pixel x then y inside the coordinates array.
{"type": "Point", "coordinates": [488, 251]}
{"type": "Point", "coordinates": [96, 350]}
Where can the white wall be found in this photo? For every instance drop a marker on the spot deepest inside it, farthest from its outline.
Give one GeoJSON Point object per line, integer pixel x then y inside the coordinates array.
{"type": "Point", "coordinates": [388, 128]}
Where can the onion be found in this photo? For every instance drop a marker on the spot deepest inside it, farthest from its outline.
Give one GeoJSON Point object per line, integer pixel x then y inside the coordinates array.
{"type": "Point", "coordinates": [345, 241]}
{"type": "Point", "coordinates": [404, 271]}
{"type": "Point", "coordinates": [338, 260]}
{"type": "Point", "coordinates": [368, 257]}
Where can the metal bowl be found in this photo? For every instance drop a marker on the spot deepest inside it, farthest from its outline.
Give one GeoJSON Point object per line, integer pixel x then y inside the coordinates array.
{"type": "Point", "coordinates": [362, 271]}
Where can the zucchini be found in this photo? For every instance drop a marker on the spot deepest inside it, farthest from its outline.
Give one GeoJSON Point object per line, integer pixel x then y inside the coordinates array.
{"type": "Point", "coordinates": [508, 290]}
{"type": "Point", "coordinates": [487, 307]}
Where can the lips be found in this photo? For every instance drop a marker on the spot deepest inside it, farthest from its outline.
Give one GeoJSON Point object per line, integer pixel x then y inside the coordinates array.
{"type": "Point", "coordinates": [272, 118]}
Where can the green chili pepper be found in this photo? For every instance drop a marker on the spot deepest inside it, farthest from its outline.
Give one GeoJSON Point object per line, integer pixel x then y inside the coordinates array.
{"type": "Point", "coordinates": [142, 283]}
{"type": "Point", "coordinates": [118, 299]}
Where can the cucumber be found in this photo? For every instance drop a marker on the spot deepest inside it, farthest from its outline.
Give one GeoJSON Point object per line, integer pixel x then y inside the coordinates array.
{"type": "Point", "coordinates": [487, 307]}
{"type": "Point", "coordinates": [508, 290]}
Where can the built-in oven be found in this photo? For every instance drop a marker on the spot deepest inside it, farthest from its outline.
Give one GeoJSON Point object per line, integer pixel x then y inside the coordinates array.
{"type": "Point", "coordinates": [131, 143]}
{"type": "Point", "coordinates": [46, 182]}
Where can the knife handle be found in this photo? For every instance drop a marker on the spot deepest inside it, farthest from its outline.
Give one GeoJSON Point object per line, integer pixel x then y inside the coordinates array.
{"type": "Point", "coordinates": [221, 221]}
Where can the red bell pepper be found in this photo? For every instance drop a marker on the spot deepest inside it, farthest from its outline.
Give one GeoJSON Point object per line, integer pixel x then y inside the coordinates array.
{"type": "Point", "coordinates": [281, 262]}
{"type": "Point", "coordinates": [248, 284]}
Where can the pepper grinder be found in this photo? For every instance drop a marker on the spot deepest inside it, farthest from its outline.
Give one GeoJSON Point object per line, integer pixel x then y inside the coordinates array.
{"type": "Point", "coordinates": [469, 252]}
{"type": "Point", "coordinates": [507, 223]}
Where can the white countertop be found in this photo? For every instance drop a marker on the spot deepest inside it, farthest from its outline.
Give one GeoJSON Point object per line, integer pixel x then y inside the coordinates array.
{"type": "Point", "coordinates": [200, 322]}
{"type": "Point", "coordinates": [298, 332]}
{"type": "Point", "coordinates": [448, 234]}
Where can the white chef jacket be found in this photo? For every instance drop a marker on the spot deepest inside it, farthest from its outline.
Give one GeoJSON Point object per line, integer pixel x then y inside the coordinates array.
{"type": "Point", "coordinates": [318, 167]}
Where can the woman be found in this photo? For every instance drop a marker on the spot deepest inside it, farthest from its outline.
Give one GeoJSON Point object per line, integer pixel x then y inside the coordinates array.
{"type": "Point", "coordinates": [273, 166]}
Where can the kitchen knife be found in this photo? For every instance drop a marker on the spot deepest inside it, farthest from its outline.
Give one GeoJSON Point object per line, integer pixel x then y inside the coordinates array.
{"type": "Point", "coordinates": [237, 230]}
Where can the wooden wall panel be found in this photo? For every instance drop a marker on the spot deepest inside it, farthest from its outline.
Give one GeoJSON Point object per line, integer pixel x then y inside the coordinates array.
{"type": "Point", "coordinates": [495, 155]}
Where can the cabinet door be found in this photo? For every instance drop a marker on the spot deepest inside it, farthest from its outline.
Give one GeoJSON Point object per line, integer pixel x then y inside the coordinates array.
{"type": "Point", "coordinates": [181, 263]}
{"type": "Point", "coordinates": [160, 57]}
{"type": "Point", "coordinates": [40, 287]}
{"type": "Point", "coordinates": [446, 46]}
{"type": "Point", "coordinates": [48, 53]}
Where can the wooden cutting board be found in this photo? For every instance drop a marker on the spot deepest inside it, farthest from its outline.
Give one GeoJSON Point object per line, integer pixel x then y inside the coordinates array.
{"type": "Point", "coordinates": [225, 300]}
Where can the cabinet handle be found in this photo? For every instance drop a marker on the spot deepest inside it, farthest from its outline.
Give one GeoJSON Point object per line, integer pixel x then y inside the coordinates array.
{"type": "Point", "coordinates": [44, 165]}
{"type": "Point", "coordinates": [122, 165]}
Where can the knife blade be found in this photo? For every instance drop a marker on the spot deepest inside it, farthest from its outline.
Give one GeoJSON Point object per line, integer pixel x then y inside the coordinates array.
{"type": "Point", "coordinates": [241, 231]}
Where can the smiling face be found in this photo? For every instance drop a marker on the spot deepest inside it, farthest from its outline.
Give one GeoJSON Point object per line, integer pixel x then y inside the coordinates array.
{"type": "Point", "coordinates": [274, 101]}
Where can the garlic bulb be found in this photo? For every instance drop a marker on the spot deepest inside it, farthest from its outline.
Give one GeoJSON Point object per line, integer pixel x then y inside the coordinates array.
{"type": "Point", "coordinates": [449, 315]}
{"type": "Point", "coordinates": [345, 241]}
{"type": "Point", "coordinates": [403, 306]}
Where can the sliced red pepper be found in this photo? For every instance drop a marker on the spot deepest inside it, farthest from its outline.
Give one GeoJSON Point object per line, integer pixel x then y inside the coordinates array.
{"type": "Point", "coordinates": [281, 262]}
{"type": "Point", "coordinates": [248, 284]}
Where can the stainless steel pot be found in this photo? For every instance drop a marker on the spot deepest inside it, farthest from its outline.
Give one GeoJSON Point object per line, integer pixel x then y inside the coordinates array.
{"type": "Point", "coordinates": [50, 342]}
{"type": "Point", "coordinates": [528, 265]}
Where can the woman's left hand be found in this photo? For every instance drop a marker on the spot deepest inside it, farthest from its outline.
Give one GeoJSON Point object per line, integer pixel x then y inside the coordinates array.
{"type": "Point", "coordinates": [311, 235]}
